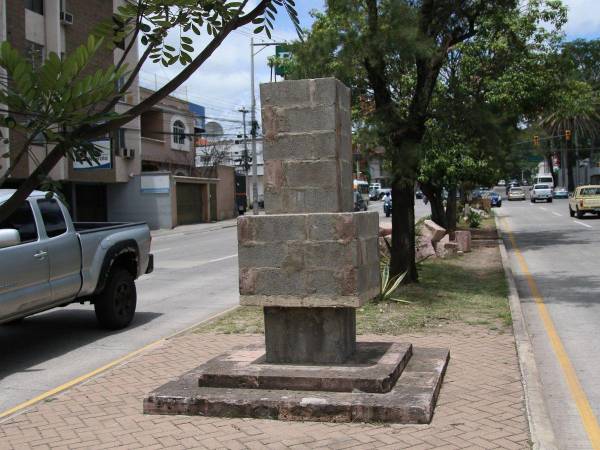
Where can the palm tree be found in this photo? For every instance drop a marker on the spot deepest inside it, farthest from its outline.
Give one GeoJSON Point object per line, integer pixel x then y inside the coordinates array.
{"type": "Point", "coordinates": [575, 113]}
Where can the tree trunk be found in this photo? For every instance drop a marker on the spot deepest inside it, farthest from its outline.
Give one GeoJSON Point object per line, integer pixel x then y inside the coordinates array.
{"type": "Point", "coordinates": [451, 210]}
{"type": "Point", "coordinates": [403, 230]}
{"type": "Point", "coordinates": [436, 200]}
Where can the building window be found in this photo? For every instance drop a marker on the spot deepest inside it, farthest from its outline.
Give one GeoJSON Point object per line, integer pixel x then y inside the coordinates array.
{"type": "Point", "coordinates": [178, 132]}
{"type": "Point", "coordinates": [119, 140]}
{"type": "Point", "coordinates": [35, 54]}
{"type": "Point", "coordinates": [36, 6]}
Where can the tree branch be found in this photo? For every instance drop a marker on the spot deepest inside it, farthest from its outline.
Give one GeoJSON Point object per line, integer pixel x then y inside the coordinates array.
{"type": "Point", "coordinates": [157, 96]}
{"type": "Point", "coordinates": [129, 81]}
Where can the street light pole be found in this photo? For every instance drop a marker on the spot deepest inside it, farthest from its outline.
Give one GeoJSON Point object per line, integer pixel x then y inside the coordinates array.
{"type": "Point", "coordinates": [253, 133]}
{"type": "Point", "coordinates": [254, 124]}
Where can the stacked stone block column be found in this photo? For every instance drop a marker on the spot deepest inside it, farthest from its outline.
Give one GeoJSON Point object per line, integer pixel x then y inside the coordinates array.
{"type": "Point", "coordinates": [310, 261]}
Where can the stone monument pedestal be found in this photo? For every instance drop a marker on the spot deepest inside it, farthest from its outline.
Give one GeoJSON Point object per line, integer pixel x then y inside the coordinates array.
{"type": "Point", "coordinates": [309, 335]}
{"type": "Point", "coordinates": [309, 262]}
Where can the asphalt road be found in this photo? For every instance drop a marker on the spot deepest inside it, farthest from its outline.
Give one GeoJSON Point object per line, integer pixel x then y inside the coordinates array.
{"type": "Point", "coordinates": [561, 254]}
{"type": "Point", "coordinates": [195, 277]}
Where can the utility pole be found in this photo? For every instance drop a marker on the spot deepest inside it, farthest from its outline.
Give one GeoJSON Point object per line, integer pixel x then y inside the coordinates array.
{"type": "Point", "coordinates": [244, 111]}
{"type": "Point", "coordinates": [254, 124]}
{"type": "Point", "coordinates": [253, 133]}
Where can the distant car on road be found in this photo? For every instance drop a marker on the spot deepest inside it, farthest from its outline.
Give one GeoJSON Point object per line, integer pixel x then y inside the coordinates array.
{"type": "Point", "coordinates": [561, 192]}
{"type": "Point", "coordinates": [544, 178]}
{"type": "Point", "coordinates": [512, 184]}
{"type": "Point", "coordinates": [585, 199]}
{"type": "Point", "coordinates": [516, 193]}
{"type": "Point", "coordinates": [373, 193]}
{"type": "Point", "coordinates": [419, 194]}
{"type": "Point", "coordinates": [541, 192]}
{"type": "Point", "coordinates": [495, 198]}
{"type": "Point", "coordinates": [501, 183]}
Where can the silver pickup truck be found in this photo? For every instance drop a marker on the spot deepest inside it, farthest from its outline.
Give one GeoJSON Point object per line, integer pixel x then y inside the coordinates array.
{"type": "Point", "coordinates": [47, 260]}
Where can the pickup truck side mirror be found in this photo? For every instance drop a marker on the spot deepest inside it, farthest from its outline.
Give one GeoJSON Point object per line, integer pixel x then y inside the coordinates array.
{"type": "Point", "coordinates": [9, 237]}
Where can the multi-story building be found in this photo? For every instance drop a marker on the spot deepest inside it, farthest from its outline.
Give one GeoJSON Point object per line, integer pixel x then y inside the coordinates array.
{"type": "Point", "coordinates": [171, 189]}
{"type": "Point", "coordinates": [36, 28]}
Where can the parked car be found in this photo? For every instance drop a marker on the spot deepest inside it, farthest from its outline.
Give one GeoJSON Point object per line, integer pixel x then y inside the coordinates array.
{"type": "Point", "coordinates": [541, 192]}
{"type": "Point", "coordinates": [585, 199]}
{"type": "Point", "coordinates": [48, 260]}
{"type": "Point", "coordinates": [516, 193]}
{"type": "Point", "coordinates": [560, 192]}
{"type": "Point", "coordinates": [495, 198]}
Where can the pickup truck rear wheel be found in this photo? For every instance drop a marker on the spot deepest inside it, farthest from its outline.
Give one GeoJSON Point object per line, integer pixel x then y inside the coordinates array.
{"type": "Point", "coordinates": [571, 212]}
{"type": "Point", "coordinates": [579, 214]}
{"type": "Point", "coordinates": [115, 306]}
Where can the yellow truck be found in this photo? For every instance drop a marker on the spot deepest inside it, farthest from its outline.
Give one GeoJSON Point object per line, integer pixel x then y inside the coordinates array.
{"type": "Point", "coordinates": [585, 199]}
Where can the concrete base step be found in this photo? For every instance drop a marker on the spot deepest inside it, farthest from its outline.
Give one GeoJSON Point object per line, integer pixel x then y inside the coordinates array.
{"type": "Point", "coordinates": [411, 401]}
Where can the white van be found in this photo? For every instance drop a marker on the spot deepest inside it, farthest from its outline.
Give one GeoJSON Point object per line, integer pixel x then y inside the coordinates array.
{"type": "Point", "coordinates": [544, 178]}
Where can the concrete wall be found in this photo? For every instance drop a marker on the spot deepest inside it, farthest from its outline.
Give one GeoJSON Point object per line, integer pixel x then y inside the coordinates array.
{"type": "Point", "coordinates": [226, 207]}
{"type": "Point", "coordinates": [127, 203]}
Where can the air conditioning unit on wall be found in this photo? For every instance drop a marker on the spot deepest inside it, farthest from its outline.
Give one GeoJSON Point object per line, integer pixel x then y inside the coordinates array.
{"type": "Point", "coordinates": [128, 153]}
{"type": "Point", "coordinates": [66, 18]}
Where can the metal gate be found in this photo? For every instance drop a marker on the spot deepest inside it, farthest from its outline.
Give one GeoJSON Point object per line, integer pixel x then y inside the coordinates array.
{"type": "Point", "coordinates": [190, 206]}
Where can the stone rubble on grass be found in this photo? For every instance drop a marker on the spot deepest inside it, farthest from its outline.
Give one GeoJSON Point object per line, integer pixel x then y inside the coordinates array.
{"type": "Point", "coordinates": [433, 231]}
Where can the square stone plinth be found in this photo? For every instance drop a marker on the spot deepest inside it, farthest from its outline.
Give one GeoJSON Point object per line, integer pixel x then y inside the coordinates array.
{"type": "Point", "coordinates": [309, 335]}
{"type": "Point", "coordinates": [307, 146]}
{"type": "Point", "coordinates": [374, 367]}
{"type": "Point", "coordinates": [309, 260]}
{"type": "Point", "coordinates": [411, 401]}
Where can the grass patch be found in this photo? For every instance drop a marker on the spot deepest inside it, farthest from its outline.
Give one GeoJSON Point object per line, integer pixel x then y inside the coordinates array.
{"type": "Point", "coordinates": [464, 290]}
{"type": "Point", "coordinates": [470, 290]}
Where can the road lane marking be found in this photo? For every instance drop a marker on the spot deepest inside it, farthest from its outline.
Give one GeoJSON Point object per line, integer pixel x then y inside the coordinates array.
{"type": "Point", "coordinates": [590, 422]}
{"type": "Point", "coordinates": [161, 250]}
{"type": "Point", "coordinates": [581, 223]}
{"type": "Point", "coordinates": [557, 214]}
{"type": "Point", "coordinates": [543, 209]}
{"type": "Point", "coordinates": [219, 259]}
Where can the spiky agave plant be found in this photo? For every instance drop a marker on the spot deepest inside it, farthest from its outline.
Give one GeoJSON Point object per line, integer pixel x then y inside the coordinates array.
{"type": "Point", "coordinates": [390, 284]}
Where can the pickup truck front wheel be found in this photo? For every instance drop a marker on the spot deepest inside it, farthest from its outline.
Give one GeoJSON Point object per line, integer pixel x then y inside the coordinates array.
{"type": "Point", "coordinates": [115, 306]}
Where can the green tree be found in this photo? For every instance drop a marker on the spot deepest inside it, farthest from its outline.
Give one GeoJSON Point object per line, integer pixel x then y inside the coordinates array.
{"type": "Point", "coordinates": [391, 53]}
{"type": "Point", "coordinates": [71, 106]}
{"type": "Point", "coordinates": [502, 77]}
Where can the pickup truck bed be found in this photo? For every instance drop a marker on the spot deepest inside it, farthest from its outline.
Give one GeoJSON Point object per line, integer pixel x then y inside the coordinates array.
{"type": "Point", "coordinates": [50, 261]}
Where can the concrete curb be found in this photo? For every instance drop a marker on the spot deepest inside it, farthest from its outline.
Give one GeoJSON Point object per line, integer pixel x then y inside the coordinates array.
{"type": "Point", "coordinates": [540, 426]}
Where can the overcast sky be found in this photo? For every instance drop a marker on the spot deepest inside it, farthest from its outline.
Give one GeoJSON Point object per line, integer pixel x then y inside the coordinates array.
{"type": "Point", "coordinates": [223, 82]}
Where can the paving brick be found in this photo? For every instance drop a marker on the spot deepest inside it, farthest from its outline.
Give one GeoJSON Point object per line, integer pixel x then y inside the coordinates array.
{"type": "Point", "coordinates": [481, 359]}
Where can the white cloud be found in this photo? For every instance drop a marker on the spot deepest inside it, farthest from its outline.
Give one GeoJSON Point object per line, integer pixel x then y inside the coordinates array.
{"type": "Point", "coordinates": [584, 19]}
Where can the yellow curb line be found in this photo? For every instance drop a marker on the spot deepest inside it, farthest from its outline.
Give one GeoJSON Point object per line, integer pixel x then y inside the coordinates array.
{"type": "Point", "coordinates": [586, 413]}
{"type": "Point", "coordinates": [75, 381]}
{"type": "Point", "coordinates": [87, 376]}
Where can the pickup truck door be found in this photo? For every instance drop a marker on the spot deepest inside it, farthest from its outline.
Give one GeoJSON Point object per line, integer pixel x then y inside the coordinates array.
{"type": "Point", "coordinates": [24, 268]}
{"type": "Point", "coordinates": [64, 251]}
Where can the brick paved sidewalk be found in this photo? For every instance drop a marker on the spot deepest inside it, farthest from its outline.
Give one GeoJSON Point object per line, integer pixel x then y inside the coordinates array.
{"type": "Point", "coordinates": [480, 405]}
